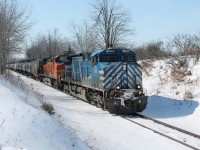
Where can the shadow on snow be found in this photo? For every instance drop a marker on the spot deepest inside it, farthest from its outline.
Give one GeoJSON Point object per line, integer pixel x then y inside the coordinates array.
{"type": "Point", "coordinates": [164, 107]}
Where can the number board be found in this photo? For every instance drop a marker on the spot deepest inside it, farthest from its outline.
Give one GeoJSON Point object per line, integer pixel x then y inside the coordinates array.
{"type": "Point", "coordinates": [110, 51]}
{"type": "Point", "coordinates": [126, 51]}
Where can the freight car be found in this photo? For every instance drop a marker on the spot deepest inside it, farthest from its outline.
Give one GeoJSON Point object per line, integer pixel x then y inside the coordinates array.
{"type": "Point", "coordinates": [110, 78]}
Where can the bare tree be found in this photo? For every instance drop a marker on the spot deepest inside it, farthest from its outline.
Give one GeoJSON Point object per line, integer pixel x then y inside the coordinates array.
{"type": "Point", "coordinates": [152, 50]}
{"type": "Point", "coordinates": [184, 44]}
{"type": "Point", "coordinates": [85, 39]}
{"type": "Point", "coordinates": [37, 48]}
{"type": "Point", "coordinates": [45, 46]}
{"type": "Point", "coordinates": [110, 23]}
{"type": "Point", "coordinates": [14, 24]}
{"type": "Point", "coordinates": [52, 42]}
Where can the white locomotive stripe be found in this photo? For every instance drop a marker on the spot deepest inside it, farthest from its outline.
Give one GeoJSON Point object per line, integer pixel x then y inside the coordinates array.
{"type": "Point", "coordinates": [108, 82]}
{"type": "Point", "coordinates": [110, 70]}
{"type": "Point", "coordinates": [138, 71]}
{"type": "Point", "coordinates": [138, 68]}
{"type": "Point", "coordinates": [101, 72]}
{"type": "Point", "coordinates": [117, 83]}
{"type": "Point", "coordinates": [109, 78]}
{"type": "Point", "coordinates": [130, 71]}
{"type": "Point", "coordinates": [133, 71]}
{"type": "Point", "coordinates": [102, 78]}
{"type": "Point", "coordinates": [113, 69]}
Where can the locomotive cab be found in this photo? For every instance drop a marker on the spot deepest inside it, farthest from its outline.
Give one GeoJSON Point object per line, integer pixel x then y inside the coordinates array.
{"type": "Point", "coordinates": [121, 79]}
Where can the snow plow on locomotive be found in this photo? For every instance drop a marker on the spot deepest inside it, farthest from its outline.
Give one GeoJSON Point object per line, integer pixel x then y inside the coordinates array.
{"type": "Point", "coordinates": [111, 78]}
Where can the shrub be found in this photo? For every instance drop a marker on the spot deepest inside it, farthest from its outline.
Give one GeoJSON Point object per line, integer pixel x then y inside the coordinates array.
{"type": "Point", "coordinates": [177, 75]}
{"type": "Point", "coordinates": [188, 95]}
{"type": "Point", "coordinates": [146, 66]}
{"type": "Point", "coordinates": [182, 63]}
{"type": "Point", "coordinates": [48, 108]}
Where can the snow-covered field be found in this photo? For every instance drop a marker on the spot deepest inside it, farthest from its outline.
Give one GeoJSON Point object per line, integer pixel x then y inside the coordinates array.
{"type": "Point", "coordinates": [168, 97]}
{"type": "Point", "coordinates": [27, 127]}
{"type": "Point", "coordinates": [79, 125]}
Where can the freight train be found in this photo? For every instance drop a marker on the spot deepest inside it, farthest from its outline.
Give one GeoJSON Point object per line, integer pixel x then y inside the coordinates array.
{"type": "Point", "coordinates": [110, 78]}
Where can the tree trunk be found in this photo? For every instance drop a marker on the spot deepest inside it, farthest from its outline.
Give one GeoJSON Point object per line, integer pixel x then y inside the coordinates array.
{"type": "Point", "coordinates": [1, 66]}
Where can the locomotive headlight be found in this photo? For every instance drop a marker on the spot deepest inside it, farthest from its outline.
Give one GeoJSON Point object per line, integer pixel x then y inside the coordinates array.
{"type": "Point", "coordinates": [138, 86]}
{"type": "Point", "coordinates": [124, 67]}
{"type": "Point", "coordinates": [118, 87]}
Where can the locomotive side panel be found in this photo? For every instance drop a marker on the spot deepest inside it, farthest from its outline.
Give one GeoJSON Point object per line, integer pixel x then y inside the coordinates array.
{"type": "Point", "coordinates": [54, 67]}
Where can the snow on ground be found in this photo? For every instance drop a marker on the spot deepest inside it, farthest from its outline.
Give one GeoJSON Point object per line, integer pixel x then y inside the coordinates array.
{"type": "Point", "coordinates": [97, 128]}
{"type": "Point", "coordinates": [169, 100]}
{"type": "Point", "coordinates": [79, 125]}
{"type": "Point", "coordinates": [27, 127]}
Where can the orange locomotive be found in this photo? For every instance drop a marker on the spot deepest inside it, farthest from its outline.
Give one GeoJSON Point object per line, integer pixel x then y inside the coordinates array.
{"type": "Point", "coordinates": [54, 67]}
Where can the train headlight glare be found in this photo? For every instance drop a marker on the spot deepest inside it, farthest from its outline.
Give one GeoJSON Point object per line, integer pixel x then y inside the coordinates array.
{"type": "Point", "coordinates": [118, 87]}
{"type": "Point", "coordinates": [138, 86]}
{"type": "Point", "coordinates": [124, 67]}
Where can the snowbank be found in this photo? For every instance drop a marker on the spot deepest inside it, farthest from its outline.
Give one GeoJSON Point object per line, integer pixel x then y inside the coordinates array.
{"type": "Point", "coordinates": [99, 129]}
{"type": "Point", "coordinates": [173, 98]}
{"type": "Point", "coordinates": [24, 126]}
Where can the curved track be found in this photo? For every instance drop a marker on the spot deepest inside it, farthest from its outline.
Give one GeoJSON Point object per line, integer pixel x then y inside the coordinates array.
{"type": "Point", "coordinates": [186, 138]}
{"type": "Point", "coordinates": [176, 134]}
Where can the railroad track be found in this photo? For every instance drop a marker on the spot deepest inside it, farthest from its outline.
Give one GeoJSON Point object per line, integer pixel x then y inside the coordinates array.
{"type": "Point", "coordinates": [186, 138]}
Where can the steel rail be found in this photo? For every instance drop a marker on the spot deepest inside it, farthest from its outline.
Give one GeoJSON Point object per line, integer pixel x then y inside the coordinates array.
{"type": "Point", "coordinates": [170, 126]}
{"type": "Point", "coordinates": [166, 125]}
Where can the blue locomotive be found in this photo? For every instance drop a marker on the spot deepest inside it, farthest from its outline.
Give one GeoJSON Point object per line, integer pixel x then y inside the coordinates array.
{"type": "Point", "coordinates": [110, 78]}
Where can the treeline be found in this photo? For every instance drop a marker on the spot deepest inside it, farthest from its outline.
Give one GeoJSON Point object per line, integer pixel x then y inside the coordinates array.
{"type": "Point", "coordinates": [45, 46]}
{"type": "Point", "coordinates": [176, 45]}
{"type": "Point", "coordinates": [109, 24]}
{"type": "Point", "coordinates": [14, 24]}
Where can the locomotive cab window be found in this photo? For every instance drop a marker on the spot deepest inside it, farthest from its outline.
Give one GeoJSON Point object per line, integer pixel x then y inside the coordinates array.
{"type": "Point", "coordinates": [108, 57]}
{"type": "Point", "coordinates": [57, 60]}
{"type": "Point", "coordinates": [128, 58]}
{"type": "Point", "coordinates": [49, 60]}
{"type": "Point", "coordinates": [95, 60]}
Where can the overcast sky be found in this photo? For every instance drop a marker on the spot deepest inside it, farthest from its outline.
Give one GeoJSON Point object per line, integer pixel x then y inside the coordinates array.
{"type": "Point", "coordinates": [151, 19]}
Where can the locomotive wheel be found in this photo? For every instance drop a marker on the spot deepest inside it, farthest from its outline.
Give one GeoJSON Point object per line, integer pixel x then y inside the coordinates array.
{"type": "Point", "coordinates": [40, 78]}
{"type": "Point", "coordinates": [89, 97]}
{"type": "Point", "coordinates": [94, 103]}
{"type": "Point", "coordinates": [99, 105]}
{"type": "Point", "coordinates": [56, 84]}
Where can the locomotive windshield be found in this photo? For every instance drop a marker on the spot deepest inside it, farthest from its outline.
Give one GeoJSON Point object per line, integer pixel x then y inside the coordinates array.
{"type": "Point", "coordinates": [108, 57]}
{"type": "Point", "coordinates": [117, 55]}
{"type": "Point", "coordinates": [58, 60]}
{"type": "Point", "coordinates": [128, 58]}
